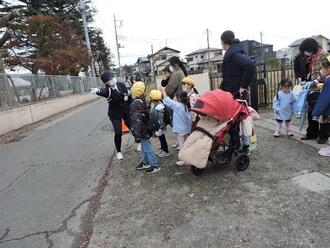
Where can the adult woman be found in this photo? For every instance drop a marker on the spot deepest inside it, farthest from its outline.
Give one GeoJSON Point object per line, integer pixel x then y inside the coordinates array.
{"type": "Point", "coordinates": [119, 100]}
{"type": "Point", "coordinates": [167, 75]}
{"type": "Point", "coordinates": [307, 68]}
{"type": "Point", "coordinates": [238, 71]}
{"type": "Point", "coordinates": [178, 70]}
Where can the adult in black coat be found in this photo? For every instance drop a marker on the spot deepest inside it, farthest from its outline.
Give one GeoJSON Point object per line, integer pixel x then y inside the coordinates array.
{"type": "Point", "coordinates": [303, 70]}
{"type": "Point", "coordinates": [238, 71]}
{"type": "Point", "coordinates": [119, 99]}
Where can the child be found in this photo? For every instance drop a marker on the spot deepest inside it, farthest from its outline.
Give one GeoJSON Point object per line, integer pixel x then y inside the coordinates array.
{"type": "Point", "coordinates": [283, 106]}
{"type": "Point", "coordinates": [156, 103]}
{"type": "Point", "coordinates": [188, 85]}
{"type": "Point", "coordinates": [321, 110]}
{"type": "Point", "coordinates": [181, 117]}
{"type": "Point", "coordinates": [140, 131]}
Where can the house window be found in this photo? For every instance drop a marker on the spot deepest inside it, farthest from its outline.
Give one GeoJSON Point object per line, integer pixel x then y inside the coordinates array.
{"type": "Point", "coordinates": [266, 50]}
{"type": "Point", "coordinates": [163, 57]}
{"type": "Point", "coordinates": [202, 56]}
{"type": "Point", "coordinates": [196, 57]}
{"type": "Point", "coordinates": [190, 59]}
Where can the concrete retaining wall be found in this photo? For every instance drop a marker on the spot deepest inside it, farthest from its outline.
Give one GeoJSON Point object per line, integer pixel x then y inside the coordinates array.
{"type": "Point", "coordinates": [13, 119]}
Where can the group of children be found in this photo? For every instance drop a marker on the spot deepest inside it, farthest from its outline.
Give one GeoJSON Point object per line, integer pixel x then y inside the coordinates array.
{"type": "Point", "coordinates": [284, 103]}
{"type": "Point", "coordinates": [149, 119]}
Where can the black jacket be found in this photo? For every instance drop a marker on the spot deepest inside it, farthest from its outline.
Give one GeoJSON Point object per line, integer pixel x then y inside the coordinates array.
{"type": "Point", "coordinates": [119, 100]}
{"type": "Point", "coordinates": [238, 70]}
{"type": "Point", "coordinates": [301, 67]}
{"type": "Point", "coordinates": [139, 119]}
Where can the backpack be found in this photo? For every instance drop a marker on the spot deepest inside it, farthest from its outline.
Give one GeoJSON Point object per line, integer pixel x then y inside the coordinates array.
{"type": "Point", "coordinates": [153, 123]}
{"type": "Point", "coordinates": [168, 114]}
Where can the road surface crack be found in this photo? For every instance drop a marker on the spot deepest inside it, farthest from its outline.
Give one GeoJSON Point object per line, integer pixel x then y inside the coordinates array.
{"type": "Point", "coordinates": [5, 234]}
{"type": "Point", "coordinates": [16, 179]}
{"type": "Point", "coordinates": [48, 234]}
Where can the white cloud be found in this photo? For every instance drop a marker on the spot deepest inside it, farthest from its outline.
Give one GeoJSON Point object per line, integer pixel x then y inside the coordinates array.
{"type": "Point", "coordinates": [182, 24]}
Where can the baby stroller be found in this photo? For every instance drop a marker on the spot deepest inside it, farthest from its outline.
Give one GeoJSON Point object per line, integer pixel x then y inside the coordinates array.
{"type": "Point", "coordinates": [216, 138]}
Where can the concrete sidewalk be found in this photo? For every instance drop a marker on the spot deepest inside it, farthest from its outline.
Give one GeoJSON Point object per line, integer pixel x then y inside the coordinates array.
{"type": "Point", "coordinates": [281, 200]}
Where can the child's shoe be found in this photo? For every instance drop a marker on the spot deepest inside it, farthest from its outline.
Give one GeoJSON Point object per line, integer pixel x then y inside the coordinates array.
{"type": "Point", "coordinates": [289, 133]}
{"type": "Point", "coordinates": [180, 163]}
{"type": "Point", "coordinates": [153, 170]}
{"type": "Point", "coordinates": [163, 154]}
{"type": "Point", "coordinates": [142, 166]}
{"type": "Point", "coordinates": [277, 134]}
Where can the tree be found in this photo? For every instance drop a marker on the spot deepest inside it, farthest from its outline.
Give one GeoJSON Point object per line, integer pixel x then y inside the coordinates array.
{"type": "Point", "coordinates": [59, 49]}
{"type": "Point", "coordinates": [273, 62]}
{"type": "Point", "coordinates": [20, 47]}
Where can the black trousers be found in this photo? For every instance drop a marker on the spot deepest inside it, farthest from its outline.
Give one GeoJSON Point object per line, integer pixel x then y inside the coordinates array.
{"type": "Point", "coordinates": [163, 143]}
{"type": "Point", "coordinates": [324, 131]}
{"type": "Point", "coordinates": [313, 129]}
{"type": "Point", "coordinates": [317, 130]}
{"type": "Point", "coordinates": [116, 123]}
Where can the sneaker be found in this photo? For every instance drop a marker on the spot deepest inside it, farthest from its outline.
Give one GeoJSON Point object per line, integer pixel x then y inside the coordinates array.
{"type": "Point", "coordinates": [142, 166]}
{"type": "Point", "coordinates": [246, 149]}
{"type": "Point", "coordinates": [153, 170]}
{"type": "Point", "coordinates": [120, 156]}
{"type": "Point", "coordinates": [290, 134]}
{"type": "Point", "coordinates": [138, 147]}
{"type": "Point", "coordinates": [180, 163]}
{"type": "Point", "coordinates": [277, 134]}
{"type": "Point", "coordinates": [163, 154]}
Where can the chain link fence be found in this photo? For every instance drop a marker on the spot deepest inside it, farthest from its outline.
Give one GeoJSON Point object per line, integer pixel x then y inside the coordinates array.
{"type": "Point", "coordinates": [23, 89]}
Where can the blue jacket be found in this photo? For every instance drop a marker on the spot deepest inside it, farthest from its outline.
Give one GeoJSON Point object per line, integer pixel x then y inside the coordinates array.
{"type": "Point", "coordinates": [283, 105]}
{"type": "Point", "coordinates": [182, 122]}
{"type": "Point", "coordinates": [322, 106]}
{"type": "Point", "coordinates": [237, 70]}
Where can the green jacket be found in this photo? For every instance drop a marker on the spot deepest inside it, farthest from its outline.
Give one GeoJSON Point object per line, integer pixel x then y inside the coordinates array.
{"type": "Point", "coordinates": [175, 83]}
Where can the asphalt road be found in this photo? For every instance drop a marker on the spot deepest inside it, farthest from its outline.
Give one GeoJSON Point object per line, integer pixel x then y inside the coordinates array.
{"type": "Point", "coordinates": [49, 176]}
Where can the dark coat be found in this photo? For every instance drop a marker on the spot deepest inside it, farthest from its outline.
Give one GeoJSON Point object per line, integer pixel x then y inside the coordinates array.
{"type": "Point", "coordinates": [322, 106]}
{"type": "Point", "coordinates": [139, 119]}
{"type": "Point", "coordinates": [119, 100]}
{"type": "Point", "coordinates": [238, 70]}
{"type": "Point", "coordinates": [301, 67]}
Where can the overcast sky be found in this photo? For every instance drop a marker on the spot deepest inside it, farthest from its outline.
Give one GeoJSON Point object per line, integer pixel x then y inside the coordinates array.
{"type": "Point", "coordinates": [181, 24]}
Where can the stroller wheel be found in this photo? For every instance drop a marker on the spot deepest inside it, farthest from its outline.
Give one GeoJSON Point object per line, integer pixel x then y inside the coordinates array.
{"type": "Point", "coordinates": [196, 171]}
{"type": "Point", "coordinates": [242, 162]}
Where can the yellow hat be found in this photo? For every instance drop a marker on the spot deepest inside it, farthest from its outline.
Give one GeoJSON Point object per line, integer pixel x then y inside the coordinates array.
{"type": "Point", "coordinates": [155, 95]}
{"type": "Point", "coordinates": [138, 89]}
{"type": "Point", "coordinates": [188, 80]}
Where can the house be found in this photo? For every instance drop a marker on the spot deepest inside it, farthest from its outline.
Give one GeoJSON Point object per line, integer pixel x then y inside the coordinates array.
{"type": "Point", "coordinates": [260, 52]}
{"type": "Point", "coordinates": [159, 59]}
{"type": "Point", "coordinates": [283, 53]}
{"type": "Point", "coordinates": [143, 65]}
{"type": "Point", "coordinates": [199, 58]}
{"type": "Point", "coordinates": [323, 41]}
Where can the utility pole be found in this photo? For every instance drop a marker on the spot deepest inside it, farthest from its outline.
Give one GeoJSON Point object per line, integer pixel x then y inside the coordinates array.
{"type": "Point", "coordinates": [208, 47]}
{"type": "Point", "coordinates": [88, 44]}
{"type": "Point", "coordinates": [262, 48]}
{"type": "Point", "coordinates": [152, 63]}
{"type": "Point", "coordinates": [117, 44]}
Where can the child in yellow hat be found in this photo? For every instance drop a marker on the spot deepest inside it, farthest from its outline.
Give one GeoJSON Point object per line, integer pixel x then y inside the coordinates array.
{"type": "Point", "coordinates": [188, 85]}
{"type": "Point", "coordinates": [158, 113]}
{"type": "Point", "coordinates": [141, 132]}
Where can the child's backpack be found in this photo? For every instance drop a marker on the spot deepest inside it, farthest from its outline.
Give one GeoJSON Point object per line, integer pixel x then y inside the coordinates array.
{"type": "Point", "coordinates": [154, 120]}
{"type": "Point", "coordinates": [168, 114]}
